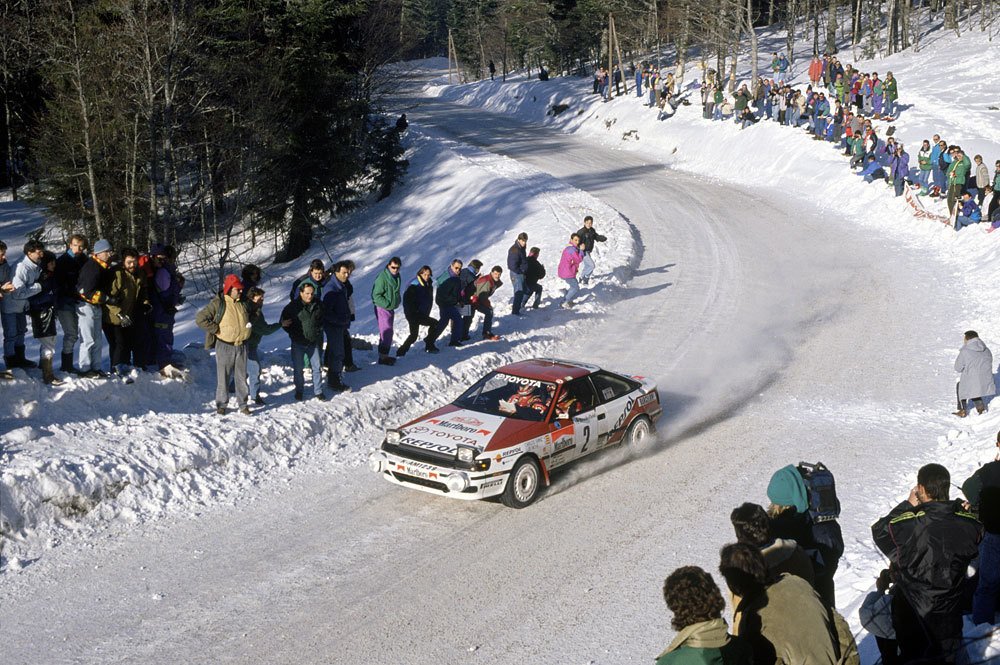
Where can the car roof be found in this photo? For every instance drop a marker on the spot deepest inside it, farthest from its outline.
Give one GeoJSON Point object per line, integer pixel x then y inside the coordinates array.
{"type": "Point", "coordinates": [551, 370]}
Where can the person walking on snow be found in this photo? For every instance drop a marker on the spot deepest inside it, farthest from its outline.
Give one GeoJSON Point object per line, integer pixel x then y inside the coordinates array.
{"type": "Point", "coordinates": [467, 282]}
{"type": "Point", "coordinates": [93, 286]}
{"type": "Point", "coordinates": [227, 327]}
{"type": "Point", "coordinates": [418, 299]}
{"type": "Point", "coordinates": [306, 334]}
{"type": "Point", "coordinates": [517, 264]}
{"type": "Point", "coordinates": [569, 264]}
{"type": "Point", "coordinates": [386, 299]}
{"type": "Point", "coordinates": [448, 299]}
{"type": "Point", "coordinates": [975, 366]}
{"type": "Point", "coordinates": [337, 324]}
{"type": "Point", "coordinates": [486, 286]}
{"type": "Point", "coordinates": [588, 236]}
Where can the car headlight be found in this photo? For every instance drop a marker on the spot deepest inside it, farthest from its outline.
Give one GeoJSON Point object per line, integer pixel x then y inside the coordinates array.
{"type": "Point", "coordinates": [393, 436]}
{"type": "Point", "coordinates": [375, 461]}
{"type": "Point", "coordinates": [466, 455]}
{"type": "Point", "coordinates": [457, 482]}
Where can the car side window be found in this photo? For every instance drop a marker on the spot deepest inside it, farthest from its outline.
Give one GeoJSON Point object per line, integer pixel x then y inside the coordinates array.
{"type": "Point", "coordinates": [610, 387]}
{"type": "Point", "coordinates": [576, 397]}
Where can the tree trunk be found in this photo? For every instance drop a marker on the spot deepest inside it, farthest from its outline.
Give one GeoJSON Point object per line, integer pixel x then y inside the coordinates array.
{"type": "Point", "coordinates": [88, 153]}
{"type": "Point", "coordinates": [791, 21]}
{"type": "Point", "coordinates": [8, 117]}
{"type": "Point", "coordinates": [831, 27]}
{"type": "Point", "coordinates": [753, 43]}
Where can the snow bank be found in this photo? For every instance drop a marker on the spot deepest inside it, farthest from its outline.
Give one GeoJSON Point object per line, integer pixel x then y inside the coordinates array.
{"type": "Point", "coordinates": [939, 94]}
{"type": "Point", "coordinates": [92, 453]}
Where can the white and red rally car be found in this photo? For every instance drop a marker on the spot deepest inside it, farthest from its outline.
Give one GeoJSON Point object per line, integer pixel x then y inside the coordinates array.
{"type": "Point", "coordinates": [508, 431]}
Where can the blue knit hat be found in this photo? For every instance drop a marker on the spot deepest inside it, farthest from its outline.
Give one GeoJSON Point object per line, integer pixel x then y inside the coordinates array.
{"type": "Point", "coordinates": [102, 245]}
{"type": "Point", "coordinates": [788, 489]}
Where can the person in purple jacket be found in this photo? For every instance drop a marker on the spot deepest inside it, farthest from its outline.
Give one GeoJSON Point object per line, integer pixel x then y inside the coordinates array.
{"type": "Point", "coordinates": [165, 296]}
{"type": "Point", "coordinates": [899, 169]}
{"type": "Point", "coordinates": [569, 264]}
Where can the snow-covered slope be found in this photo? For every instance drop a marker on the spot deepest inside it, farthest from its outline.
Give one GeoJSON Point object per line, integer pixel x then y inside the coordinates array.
{"type": "Point", "coordinates": [94, 452]}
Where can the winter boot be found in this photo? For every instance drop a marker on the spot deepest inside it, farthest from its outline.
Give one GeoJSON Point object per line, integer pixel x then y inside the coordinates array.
{"type": "Point", "coordinates": [431, 348]}
{"type": "Point", "coordinates": [10, 362]}
{"type": "Point", "coordinates": [21, 360]}
{"type": "Point", "coordinates": [67, 363]}
{"type": "Point", "coordinates": [960, 413]}
{"type": "Point", "coordinates": [401, 351]}
{"type": "Point", "coordinates": [48, 376]}
{"type": "Point", "coordinates": [386, 359]}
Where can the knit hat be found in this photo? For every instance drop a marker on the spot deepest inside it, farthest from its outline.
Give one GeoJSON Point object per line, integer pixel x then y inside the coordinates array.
{"type": "Point", "coordinates": [158, 250]}
{"type": "Point", "coordinates": [232, 282]}
{"type": "Point", "coordinates": [102, 245]}
{"type": "Point", "coordinates": [308, 281]}
{"type": "Point", "coordinates": [788, 489]}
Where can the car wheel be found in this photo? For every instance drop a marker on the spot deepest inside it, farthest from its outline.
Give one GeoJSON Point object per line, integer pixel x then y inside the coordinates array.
{"type": "Point", "coordinates": [638, 432]}
{"type": "Point", "coordinates": [523, 485]}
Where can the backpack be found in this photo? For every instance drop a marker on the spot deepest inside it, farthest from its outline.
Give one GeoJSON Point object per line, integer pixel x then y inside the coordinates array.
{"type": "Point", "coordinates": [824, 506]}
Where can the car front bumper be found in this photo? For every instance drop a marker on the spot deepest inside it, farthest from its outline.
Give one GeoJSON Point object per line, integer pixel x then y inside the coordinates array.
{"type": "Point", "coordinates": [453, 483]}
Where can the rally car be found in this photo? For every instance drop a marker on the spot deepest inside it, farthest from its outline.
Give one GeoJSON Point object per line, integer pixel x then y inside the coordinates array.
{"type": "Point", "coordinates": [506, 433]}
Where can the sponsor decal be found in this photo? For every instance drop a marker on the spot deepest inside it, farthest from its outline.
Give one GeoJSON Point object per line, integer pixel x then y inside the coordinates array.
{"type": "Point", "coordinates": [436, 446]}
{"type": "Point", "coordinates": [628, 410]}
{"type": "Point", "coordinates": [492, 483]}
{"type": "Point", "coordinates": [471, 422]}
{"type": "Point", "coordinates": [458, 426]}
{"type": "Point", "coordinates": [534, 383]}
{"type": "Point", "coordinates": [646, 399]}
{"type": "Point", "coordinates": [437, 434]}
{"type": "Point", "coordinates": [504, 454]}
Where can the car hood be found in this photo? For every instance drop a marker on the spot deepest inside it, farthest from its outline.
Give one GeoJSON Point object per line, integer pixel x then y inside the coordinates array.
{"type": "Point", "coordinates": [445, 429]}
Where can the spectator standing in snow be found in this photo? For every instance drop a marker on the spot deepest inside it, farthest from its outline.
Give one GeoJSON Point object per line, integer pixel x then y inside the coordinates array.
{"type": "Point", "coordinates": [931, 542]}
{"type": "Point", "coordinates": [467, 282]}
{"type": "Point", "coordinates": [534, 274]}
{"type": "Point", "coordinates": [67, 272]}
{"type": "Point", "coordinates": [815, 70]}
{"type": "Point", "coordinates": [782, 619]}
{"type": "Point", "coordinates": [875, 614]}
{"type": "Point", "coordinates": [924, 166]}
{"type": "Point", "coordinates": [790, 520]}
{"type": "Point", "coordinates": [485, 287]}
{"type": "Point", "coordinates": [517, 265]}
{"type": "Point", "coordinates": [316, 273]}
{"type": "Point", "coordinates": [348, 288]}
{"type": "Point", "coordinates": [958, 173]}
{"type": "Point", "coordinates": [588, 236]}
{"type": "Point", "coordinates": [448, 299]}
{"type": "Point", "coordinates": [975, 365]}
{"type": "Point", "coordinates": [6, 286]}
{"type": "Point", "coordinates": [165, 295]}
{"type": "Point", "coordinates": [127, 298]}
{"type": "Point", "coordinates": [968, 212]}
{"type": "Point", "coordinates": [418, 299]}
{"type": "Point", "coordinates": [891, 92]}
{"type": "Point", "coordinates": [386, 298]}
{"type": "Point", "coordinates": [899, 169]}
{"type": "Point", "coordinates": [982, 490]}
{"type": "Point", "coordinates": [259, 329]}
{"type": "Point", "coordinates": [569, 264]}
{"type": "Point", "coordinates": [493, 70]}
{"type": "Point", "coordinates": [982, 179]}
{"type": "Point", "coordinates": [93, 285]}
{"type": "Point", "coordinates": [15, 304]}
{"type": "Point", "coordinates": [702, 634]}
{"type": "Point", "coordinates": [337, 325]}
{"type": "Point", "coordinates": [638, 80]}
{"type": "Point", "coordinates": [227, 327]}
{"type": "Point", "coordinates": [42, 311]}
{"type": "Point", "coordinates": [306, 334]}
{"type": "Point", "coordinates": [251, 276]}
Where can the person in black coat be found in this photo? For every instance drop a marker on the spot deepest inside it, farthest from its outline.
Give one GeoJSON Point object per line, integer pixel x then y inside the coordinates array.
{"type": "Point", "coordinates": [532, 276]}
{"type": "Point", "coordinates": [517, 265]}
{"type": "Point", "coordinates": [417, 302]}
{"type": "Point", "coordinates": [588, 236]}
{"type": "Point", "coordinates": [67, 271]}
{"type": "Point", "coordinates": [467, 282]}
{"type": "Point", "coordinates": [449, 299]}
{"type": "Point", "coordinates": [931, 541]}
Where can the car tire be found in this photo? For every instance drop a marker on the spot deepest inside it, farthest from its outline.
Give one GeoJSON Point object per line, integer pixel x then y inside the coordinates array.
{"type": "Point", "coordinates": [523, 485]}
{"type": "Point", "coordinates": [639, 431]}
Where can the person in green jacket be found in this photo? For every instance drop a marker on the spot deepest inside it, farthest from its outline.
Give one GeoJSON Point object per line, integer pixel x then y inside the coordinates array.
{"type": "Point", "coordinates": [958, 172]}
{"type": "Point", "coordinates": [305, 329]}
{"type": "Point", "coordinates": [718, 97]}
{"type": "Point", "coordinates": [891, 95]}
{"type": "Point", "coordinates": [259, 329]}
{"type": "Point", "coordinates": [702, 634]}
{"type": "Point", "coordinates": [386, 298]}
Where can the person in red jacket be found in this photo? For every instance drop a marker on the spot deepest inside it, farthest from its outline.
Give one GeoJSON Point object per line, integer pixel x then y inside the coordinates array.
{"type": "Point", "coordinates": [486, 286]}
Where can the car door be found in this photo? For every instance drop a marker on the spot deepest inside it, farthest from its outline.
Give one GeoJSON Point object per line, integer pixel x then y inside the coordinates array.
{"type": "Point", "coordinates": [578, 402]}
{"type": "Point", "coordinates": [616, 397]}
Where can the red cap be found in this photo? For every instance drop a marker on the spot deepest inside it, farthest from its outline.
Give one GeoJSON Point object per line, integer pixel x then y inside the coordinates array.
{"type": "Point", "coordinates": [232, 282]}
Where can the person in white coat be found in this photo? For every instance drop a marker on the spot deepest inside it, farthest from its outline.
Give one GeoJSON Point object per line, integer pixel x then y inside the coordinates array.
{"type": "Point", "coordinates": [975, 364]}
{"type": "Point", "coordinates": [15, 304]}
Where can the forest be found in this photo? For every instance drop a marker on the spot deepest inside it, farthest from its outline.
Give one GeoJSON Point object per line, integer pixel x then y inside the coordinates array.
{"type": "Point", "coordinates": [184, 120]}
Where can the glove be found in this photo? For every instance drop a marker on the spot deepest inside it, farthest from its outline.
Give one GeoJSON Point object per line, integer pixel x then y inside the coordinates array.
{"type": "Point", "coordinates": [125, 321]}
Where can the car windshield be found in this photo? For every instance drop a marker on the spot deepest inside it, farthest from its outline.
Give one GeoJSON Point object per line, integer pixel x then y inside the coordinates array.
{"type": "Point", "coordinates": [509, 396]}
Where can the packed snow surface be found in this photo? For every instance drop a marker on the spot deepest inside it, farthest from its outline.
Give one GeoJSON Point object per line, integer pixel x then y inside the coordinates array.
{"type": "Point", "coordinates": [787, 310]}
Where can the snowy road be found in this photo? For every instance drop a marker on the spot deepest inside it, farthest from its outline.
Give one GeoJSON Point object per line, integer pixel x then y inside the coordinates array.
{"type": "Point", "coordinates": [776, 335]}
